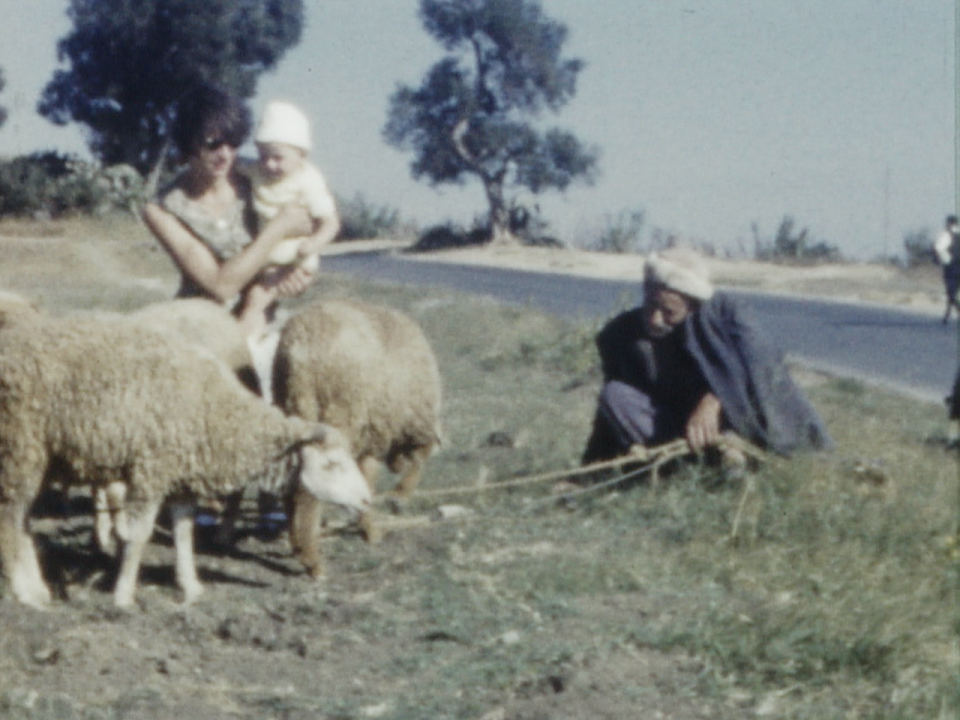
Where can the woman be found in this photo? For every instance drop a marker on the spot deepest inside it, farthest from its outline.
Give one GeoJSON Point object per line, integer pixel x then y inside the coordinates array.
{"type": "Point", "coordinates": [205, 222]}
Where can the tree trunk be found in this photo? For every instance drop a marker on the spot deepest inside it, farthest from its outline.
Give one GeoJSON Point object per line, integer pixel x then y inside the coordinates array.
{"type": "Point", "coordinates": [500, 233]}
{"type": "Point", "coordinates": [153, 177]}
{"type": "Point", "coordinates": [492, 186]}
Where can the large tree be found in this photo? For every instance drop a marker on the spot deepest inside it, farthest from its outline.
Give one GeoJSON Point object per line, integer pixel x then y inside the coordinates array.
{"type": "Point", "coordinates": [129, 61]}
{"type": "Point", "coordinates": [475, 115]}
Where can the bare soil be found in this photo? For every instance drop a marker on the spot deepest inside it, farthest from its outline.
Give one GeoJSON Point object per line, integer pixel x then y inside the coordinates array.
{"type": "Point", "coordinates": [267, 642]}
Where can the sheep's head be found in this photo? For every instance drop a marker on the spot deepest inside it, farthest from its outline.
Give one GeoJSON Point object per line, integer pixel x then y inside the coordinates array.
{"type": "Point", "coordinates": [330, 473]}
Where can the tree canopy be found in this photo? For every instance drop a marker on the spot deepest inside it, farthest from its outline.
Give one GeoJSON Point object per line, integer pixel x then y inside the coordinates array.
{"type": "Point", "coordinates": [129, 61]}
{"type": "Point", "coordinates": [475, 113]}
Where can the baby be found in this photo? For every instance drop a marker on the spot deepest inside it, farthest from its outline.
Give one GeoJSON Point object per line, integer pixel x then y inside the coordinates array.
{"type": "Point", "coordinates": [284, 176]}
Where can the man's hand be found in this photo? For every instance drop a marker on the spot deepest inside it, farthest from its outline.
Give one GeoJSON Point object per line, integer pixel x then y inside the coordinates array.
{"type": "Point", "coordinates": [703, 425]}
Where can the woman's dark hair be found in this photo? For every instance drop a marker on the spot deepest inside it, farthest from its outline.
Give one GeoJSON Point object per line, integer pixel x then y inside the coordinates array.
{"type": "Point", "coordinates": [210, 114]}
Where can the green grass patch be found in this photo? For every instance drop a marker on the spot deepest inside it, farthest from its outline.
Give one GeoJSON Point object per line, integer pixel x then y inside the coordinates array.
{"type": "Point", "coordinates": [840, 590]}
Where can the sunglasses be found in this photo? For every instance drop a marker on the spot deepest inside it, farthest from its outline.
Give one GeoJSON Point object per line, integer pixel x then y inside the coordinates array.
{"type": "Point", "coordinates": [215, 143]}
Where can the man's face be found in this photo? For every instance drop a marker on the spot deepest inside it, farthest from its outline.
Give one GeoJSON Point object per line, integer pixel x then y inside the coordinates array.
{"type": "Point", "coordinates": [664, 310]}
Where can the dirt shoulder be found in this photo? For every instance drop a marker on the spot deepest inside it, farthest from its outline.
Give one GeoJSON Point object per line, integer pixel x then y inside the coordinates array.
{"type": "Point", "coordinates": [918, 289]}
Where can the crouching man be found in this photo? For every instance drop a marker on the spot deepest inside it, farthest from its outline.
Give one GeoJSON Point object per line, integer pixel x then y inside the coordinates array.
{"type": "Point", "coordinates": [688, 363]}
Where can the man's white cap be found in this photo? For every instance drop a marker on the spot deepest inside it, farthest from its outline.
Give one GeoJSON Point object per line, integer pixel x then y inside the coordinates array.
{"type": "Point", "coordinates": [681, 270]}
{"type": "Point", "coordinates": [284, 123]}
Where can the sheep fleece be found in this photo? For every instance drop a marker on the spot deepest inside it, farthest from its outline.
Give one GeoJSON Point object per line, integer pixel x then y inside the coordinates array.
{"type": "Point", "coordinates": [366, 370]}
{"type": "Point", "coordinates": [107, 400]}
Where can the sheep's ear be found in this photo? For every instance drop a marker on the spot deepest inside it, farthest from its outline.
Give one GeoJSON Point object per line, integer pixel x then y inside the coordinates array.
{"type": "Point", "coordinates": [316, 435]}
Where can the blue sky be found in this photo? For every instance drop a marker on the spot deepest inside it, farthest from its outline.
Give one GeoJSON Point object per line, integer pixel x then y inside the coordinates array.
{"type": "Point", "coordinates": [710, 115]}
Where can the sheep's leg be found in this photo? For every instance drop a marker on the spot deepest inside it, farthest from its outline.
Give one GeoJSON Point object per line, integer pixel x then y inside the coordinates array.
{"type": "Point", "coordinates": [370, 467]}
{"type": "Point", "coordinates": [141, 517]}
{"type": "Point", "coordinates": [117, 503]}
{"type": "Point", "coordinates": [103, 522]}
{"type": "Point", "coordinates": [111, 517]}
{"type": "Point", "coordinates": [19, 556]}
{"type": "Point", "coordinates": [304, 514]}
{"type": "Point", "coordinates": [370, 527]}
{"type": "Point", "coordinates": [413, 469]}
{"type": "Point", "coordinates": [181, 514]}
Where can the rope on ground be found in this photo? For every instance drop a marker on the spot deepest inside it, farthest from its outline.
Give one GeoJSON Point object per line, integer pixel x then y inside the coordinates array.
{"type": "Point", "coordinates": [735, 529]}
{"type": "Point", "coordinates": [648, 455]}
{"type": "Point", "coordinates": [657, 455]}
{"type": "Point", "coordinates": [651, 459]}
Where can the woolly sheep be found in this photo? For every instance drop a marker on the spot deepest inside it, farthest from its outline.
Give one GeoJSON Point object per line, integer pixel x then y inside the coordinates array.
{"type": "Point", "coordinates": [212, 328]}
{"type": "Point", "coordinates": [208, 325]}
{"type": "Point", "coordinates": [368, 371]}
{"type": "Point", "coordinates": [94, 399]}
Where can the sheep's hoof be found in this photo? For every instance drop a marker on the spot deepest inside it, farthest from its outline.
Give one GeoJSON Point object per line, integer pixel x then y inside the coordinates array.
{"type": "Point", "coordinates": [373, 536]}
{"type": "Point", "coordinates": [123, 603]}
{"type": "Point", "coordinates": [34, 595]}
{"type": "Point", "coordinates": [401, 493]}
{"type": "Point", "coordinates": [372, 533]}
{"type": "Point", "coordinates": [316, 572]}
{"type": "Point", "coordinates": [40, 603]}
{"type": "Point", "coordinates": [191, 594]}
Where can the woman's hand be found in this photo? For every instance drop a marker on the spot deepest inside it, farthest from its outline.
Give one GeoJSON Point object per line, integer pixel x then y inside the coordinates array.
{"type": "Point", "coordinates": [703, 425]}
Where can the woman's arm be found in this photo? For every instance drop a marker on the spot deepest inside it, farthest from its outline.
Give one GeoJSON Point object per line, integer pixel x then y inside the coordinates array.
{"type": "Point", "coordinates": [222, 280]}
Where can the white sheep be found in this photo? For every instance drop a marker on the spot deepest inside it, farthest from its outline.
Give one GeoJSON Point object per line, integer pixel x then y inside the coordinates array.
{"type": "Point", "coordinates": [212, 328]}
{"type": "Point", "coordinates": [208, 325]}
{"type": "Point", "coordinates": [370, 372]}
{"type": "Point", "coordinates": [97, 400]}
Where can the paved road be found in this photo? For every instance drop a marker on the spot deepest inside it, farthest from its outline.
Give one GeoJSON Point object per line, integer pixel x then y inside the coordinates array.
{"type": "Point", "coordinates": [908, 351]}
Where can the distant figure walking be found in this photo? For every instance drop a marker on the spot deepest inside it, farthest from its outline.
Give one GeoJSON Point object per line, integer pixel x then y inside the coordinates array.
{"type": "Point", "coordinates": [947, 249]}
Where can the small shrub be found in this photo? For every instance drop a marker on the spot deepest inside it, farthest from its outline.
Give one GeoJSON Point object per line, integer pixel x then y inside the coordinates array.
{"type": "Point", "coordinates": [621, 233]}
{"type": "Point", "coordinates": [51, 184]}
{"type": "Point", "coordinates": [790, 245]}
{"type": "Point", "coordinates": [528, 226]}
{"type": "Point", "coordinates": [918, 248]}
{"type": "Point", "coordinates": [449, 235]}
{"type": "Point", "coordinates": [363, 220]}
